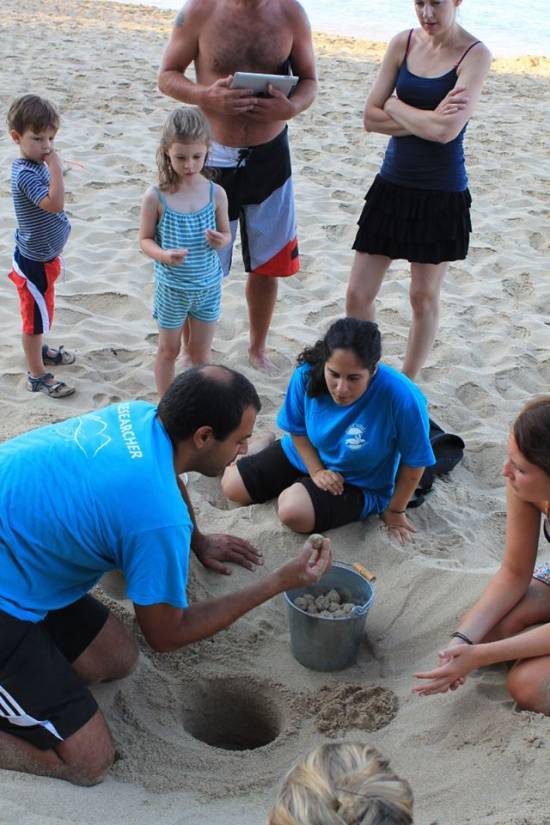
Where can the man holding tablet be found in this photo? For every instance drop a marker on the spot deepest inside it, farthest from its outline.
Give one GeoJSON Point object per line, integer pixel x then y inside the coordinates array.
{"type": "Point", "coordinates": [250, 149]}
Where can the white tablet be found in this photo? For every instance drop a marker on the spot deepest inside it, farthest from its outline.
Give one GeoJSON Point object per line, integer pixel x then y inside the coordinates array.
{"type": "Point", "coordinates": [259, 82]}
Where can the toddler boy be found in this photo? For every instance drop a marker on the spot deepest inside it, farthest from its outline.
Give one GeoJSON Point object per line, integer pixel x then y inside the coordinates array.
{"type": "Point", "coordinates": [42, 231]}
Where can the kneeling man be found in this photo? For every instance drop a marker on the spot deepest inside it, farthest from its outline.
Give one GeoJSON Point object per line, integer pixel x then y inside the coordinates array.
{"type": "Point", "coordinates": [97, 493]}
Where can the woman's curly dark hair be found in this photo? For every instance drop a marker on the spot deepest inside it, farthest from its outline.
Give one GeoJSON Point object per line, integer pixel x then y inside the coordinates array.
{"type": "Point", "coordinates": [362, 337]}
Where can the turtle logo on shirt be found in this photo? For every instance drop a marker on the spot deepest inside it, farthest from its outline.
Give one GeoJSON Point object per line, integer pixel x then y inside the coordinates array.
{"type": "Point", "coordinates": [354, 437]}
{"type": "Point", "coordinates": [88, 432]}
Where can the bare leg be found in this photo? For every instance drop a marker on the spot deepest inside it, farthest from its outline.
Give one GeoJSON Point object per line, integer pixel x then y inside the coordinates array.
{"type": "Point", "coordinates": [111, 655]}
{"type": "Point", "coordinates": [426, 281]}
{"type": "Point", "coordinates": [32, 346]}
{"type": "Point", "coordinates": [165, 361]}
{"type": "Point", "coordinates": [185, 359]}
{"type": "Point", "coordinates": [261, 295]}
{"type": "Point", "coordinates": [295, 509]}
{"type": "Point", "coordinates": [85, 757]}
{"type": "Point", "coordinates": [529, 679]}
{"type": "Point", "coordinates": [199, 345]}
{"type": "Point", "coordinates": [365, 280]}
{"type": "Point", "coordinates": [529, 684]}
{"type": "Point", "coordinates": [533, 609]}
{"type": "Point", "coordinates": [232, 484]}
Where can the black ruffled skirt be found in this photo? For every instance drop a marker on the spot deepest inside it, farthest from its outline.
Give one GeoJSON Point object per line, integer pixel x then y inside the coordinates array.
{"type": "Point", "coordinates": [420, 225]}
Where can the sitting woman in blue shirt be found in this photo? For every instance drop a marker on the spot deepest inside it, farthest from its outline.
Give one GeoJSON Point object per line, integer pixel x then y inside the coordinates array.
{"type": "Point", "coordinates": [356, 443]}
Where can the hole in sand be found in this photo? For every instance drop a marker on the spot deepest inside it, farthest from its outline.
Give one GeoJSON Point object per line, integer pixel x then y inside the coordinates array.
{"type": "Point", "coordinates": [233, 714]}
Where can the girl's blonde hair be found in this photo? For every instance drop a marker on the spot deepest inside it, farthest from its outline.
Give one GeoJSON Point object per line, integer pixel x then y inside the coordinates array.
{"type": "Point", "coordinates": [183, 125]}
{"type": "Point", "coordinates": [345, 783]}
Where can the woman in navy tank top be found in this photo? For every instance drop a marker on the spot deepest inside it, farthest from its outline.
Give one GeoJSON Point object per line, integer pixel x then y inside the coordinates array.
{"type": "Point", "coordinates": [418, 207]}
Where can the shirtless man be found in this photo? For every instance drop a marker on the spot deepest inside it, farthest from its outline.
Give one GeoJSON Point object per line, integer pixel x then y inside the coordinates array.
{"type": "Point", "coordinates": [250, 150]}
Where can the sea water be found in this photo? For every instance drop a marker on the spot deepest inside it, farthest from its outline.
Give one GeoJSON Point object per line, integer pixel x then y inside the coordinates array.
{"type": "Point", "coordinates": [508, 27]}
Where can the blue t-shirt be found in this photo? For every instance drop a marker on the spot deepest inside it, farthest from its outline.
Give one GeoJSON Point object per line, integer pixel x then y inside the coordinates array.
{"type": "Point", "coordinates": [366, 440]}
{"type": "Point", "coordinates": [87, 495]}
{"type": "Point", "coordinates": [40, 235]}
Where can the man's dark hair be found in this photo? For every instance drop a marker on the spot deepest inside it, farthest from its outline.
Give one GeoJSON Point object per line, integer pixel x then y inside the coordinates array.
{"type": "Point", "coordinates": [32, 112]}
{"type": "Point", "coordinates": [361, 337]}
{"type": "Point", "coordinates": [202, 397]}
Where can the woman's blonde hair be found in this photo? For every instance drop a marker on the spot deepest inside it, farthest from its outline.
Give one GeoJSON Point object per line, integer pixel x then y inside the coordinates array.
{"type": "Point", "coordinates": [343, 783]}
{"type": "Point", "coordinates": [183, 125]}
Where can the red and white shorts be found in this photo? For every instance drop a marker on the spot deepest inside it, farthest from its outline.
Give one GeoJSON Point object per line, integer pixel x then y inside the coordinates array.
{"type": "Point", "coordinates": [258, 183]}
{"type": "Point", "coordinates": [35, 282]}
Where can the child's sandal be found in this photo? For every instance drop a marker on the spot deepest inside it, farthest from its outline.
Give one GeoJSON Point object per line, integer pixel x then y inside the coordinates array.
{"type": "Point", "coordinates": [56, 390]}
{"type": "Point", "coordinates": [61, 356]}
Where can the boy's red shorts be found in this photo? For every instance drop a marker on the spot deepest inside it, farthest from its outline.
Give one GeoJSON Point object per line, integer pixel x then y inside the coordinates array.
{"type": "Point", "coordinates": [35, 284]}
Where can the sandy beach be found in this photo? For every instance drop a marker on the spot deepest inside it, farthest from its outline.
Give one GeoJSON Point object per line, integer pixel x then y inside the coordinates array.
{"type": "Point", "coordinates": [470, 757]}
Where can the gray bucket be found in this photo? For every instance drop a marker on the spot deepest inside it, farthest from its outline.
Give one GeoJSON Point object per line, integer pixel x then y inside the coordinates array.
{"type": "Point", "coordinates": [323, 643]}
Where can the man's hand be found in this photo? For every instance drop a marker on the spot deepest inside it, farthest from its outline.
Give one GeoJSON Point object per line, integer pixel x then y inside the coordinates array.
{"type": "Point", "coordinates": [329, 480]}
{"type": "Point", "coordinates": [221, 100]}
{"type": "Point", "coordinates": [215, 548]}
{"type": "Point", "coordinates": [456, 661]}
{"type": "Point", "coordinates": [173, 257]}
{"type": "Point", "coordinates": [398, 525]}
{"type": "Point", "coordinates": [308, 567]}
{"type": "Point", "coordinates": [276, 107]}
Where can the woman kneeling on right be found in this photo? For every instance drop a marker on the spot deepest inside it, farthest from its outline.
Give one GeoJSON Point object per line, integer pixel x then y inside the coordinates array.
{"type": "Point", "coordinates": [511, 620]}
{"type": "Point", "coordinates": [357, 439]}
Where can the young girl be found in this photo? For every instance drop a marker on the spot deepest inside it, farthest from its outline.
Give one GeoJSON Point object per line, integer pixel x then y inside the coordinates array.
{"type": "Point", "coordinates": [418, 207]}
{"type": "Point", "coordinates": [184, 222]}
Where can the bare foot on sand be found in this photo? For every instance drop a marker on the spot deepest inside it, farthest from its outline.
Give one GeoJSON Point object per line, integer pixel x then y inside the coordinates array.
{"type": "Point", "coordinates": [260, 361]}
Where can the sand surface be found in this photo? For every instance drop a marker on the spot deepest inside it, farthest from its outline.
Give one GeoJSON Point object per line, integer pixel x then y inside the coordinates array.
{"type": "Point", "coordinates": [470, 757]}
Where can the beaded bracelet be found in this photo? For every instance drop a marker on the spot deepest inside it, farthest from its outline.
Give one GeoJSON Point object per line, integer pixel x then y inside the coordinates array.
{"type": "Point", "coordinates": [397, 512]}
{"type": "Point", "coordinates": [458, 635]}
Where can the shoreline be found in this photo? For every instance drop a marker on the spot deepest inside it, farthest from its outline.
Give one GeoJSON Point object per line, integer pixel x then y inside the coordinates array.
{"type": "Point", "coordinates": [319, 32]}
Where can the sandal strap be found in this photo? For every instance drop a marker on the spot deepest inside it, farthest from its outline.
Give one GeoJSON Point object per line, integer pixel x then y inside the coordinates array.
{"type": "Point", "coordinates": [42, 379]}
{"type": "Point", "coordinates": [58, 358]}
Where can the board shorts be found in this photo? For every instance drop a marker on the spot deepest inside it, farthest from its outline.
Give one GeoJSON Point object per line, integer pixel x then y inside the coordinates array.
{"type": "Point", "coordinates": [172, 307]}
{"type": "Point", "coordinates": [35, 282]}
{"type": "Point", "coordinates": [42, 699]}
{"type": "Point", "coordinates": [542, 573]}
{"type": "Point", "coordinates": [258, 183]}
{"type": "Point", "coordinates": [267, 473]}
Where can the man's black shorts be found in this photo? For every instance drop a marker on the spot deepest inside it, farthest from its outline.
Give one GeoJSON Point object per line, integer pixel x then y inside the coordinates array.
{"type": "Point", "coordinates": [42, 700]}
{"type": "Point", "coordinates": [267, 473]}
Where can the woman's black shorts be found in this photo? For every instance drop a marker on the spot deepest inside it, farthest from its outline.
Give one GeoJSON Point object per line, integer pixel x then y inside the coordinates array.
{"type": "Point", "coordinates": [42, 700]}
{"type": "Point", "coordinates": [423, 226]}
{"type": "Point", "coordinates": [267, 473]}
